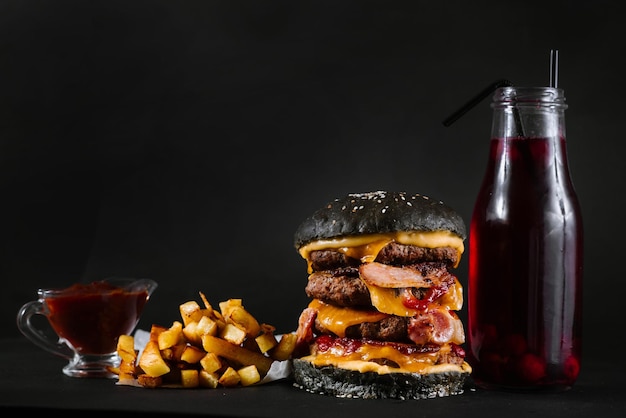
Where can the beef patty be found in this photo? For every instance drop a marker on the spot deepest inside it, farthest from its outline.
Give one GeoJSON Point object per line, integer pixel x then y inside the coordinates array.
{"type": "Point", "coordinates": [393, 254]}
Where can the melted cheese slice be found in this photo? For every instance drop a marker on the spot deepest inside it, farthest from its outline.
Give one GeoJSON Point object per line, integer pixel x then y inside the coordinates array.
{"type": "Point", "coordinates": [336, 319]}
{"type": "Point", "coordinates": [364, 360]}
{"type": "Point", "coordinates": [390, 301]}
{"type": "Point", "coordinates": [367, 247]}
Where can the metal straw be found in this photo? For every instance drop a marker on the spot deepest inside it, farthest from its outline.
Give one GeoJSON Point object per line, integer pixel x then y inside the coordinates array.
{"type": "Point", "coordinates": [554, 68]}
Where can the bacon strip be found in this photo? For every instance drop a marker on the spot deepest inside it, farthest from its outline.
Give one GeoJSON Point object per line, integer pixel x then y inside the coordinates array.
{"type": "Point", "coordinates": [383, 275]}
{"type": "Point", "coordinates": [437, 326]}
{"type": "Point", "coordinates": [304, 332]}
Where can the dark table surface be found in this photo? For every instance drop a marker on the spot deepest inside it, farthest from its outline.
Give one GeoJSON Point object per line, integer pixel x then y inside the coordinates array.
{"type": "Point", "coordinates": [31, 380]}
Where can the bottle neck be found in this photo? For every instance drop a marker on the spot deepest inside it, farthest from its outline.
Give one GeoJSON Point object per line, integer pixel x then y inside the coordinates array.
{"type": "Point", "coordinates": [528, 112]}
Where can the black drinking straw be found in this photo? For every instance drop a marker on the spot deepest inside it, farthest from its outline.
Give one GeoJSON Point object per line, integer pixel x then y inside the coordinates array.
{"type": "Point", "coordinates": [480, 96]}
{"type": "Point", "coordinates": [475, 100]}
{"type": "Point", "coordinates": [554, 68]}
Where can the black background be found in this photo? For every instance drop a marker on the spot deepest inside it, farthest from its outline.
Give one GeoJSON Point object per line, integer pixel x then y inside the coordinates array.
{"type": "Point", "coordinates": [186, 140]}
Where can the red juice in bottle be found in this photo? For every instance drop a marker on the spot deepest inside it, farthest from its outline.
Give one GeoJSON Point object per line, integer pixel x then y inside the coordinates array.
{"type": "Point", "coordinates": [526, 250]}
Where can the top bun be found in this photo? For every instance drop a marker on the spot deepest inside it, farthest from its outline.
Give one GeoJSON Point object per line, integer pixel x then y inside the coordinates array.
{"type": "Point", "coordinates": [378, 212]}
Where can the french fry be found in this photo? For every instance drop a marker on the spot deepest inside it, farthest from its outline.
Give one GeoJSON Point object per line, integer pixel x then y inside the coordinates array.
{"type": "Point", "coordinates": [236, 353]}
{"type": "Point", "coordinates": [211, 362]}
{"type": "Point", "coordinates": [192, 354]}
{"type": "Point", "coordinates": [233, 334]}
{"type": "Point", "coordinates": [127, 367]}
{"type": "Point", "coordinates": [155, 330]}
{"type": "Point", "coordinates": [206, 326]}
{"type": "Point", "coordinates": [227, 305]}
{"type": "Point", "coordinates": [149, 381]}
{"type": "Point", "coordinates": [174, 353]}
{"type": "Point", "coordinates": [229, 378]}
{"type": "Point", "coordinates": [218, 317]}
{"type": "Point", "coordinates": [249, 375]}
{"type": "Point", "coordinates": [151, 361]}
{"type": "Point", "coordinates": [189, 378]}
{"type": "Point", "coordinates": [190, 312]}
{"type": "Point", "coordinates": [190, 332]}
{"type": "Point", "coordinates": [239, 316]}
{"type": "Point", "coordinates": [207, 379]}
{"type": "Point", "coordinates": [126, 348]}
{"type": "Point", "coordinates": [266, 342]}
{"type": "Point", "coordinates": [207, 305]}
{"type": "Point", "coordinates": [285, 347]}
{"type": "Point", "coordinates": [172, 336]}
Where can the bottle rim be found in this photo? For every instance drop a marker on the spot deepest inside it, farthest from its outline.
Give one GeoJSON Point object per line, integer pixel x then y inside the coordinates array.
{"type": "Point", "coordinates": [521, 96]}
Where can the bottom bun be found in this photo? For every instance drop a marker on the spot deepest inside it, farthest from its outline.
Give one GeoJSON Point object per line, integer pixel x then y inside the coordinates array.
{"type": "Point", "coordinates": [344, 383]}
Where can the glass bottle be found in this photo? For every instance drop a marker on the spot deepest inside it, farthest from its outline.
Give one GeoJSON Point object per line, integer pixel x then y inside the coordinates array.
{"type": "Point", "coordinates": [526, 250]}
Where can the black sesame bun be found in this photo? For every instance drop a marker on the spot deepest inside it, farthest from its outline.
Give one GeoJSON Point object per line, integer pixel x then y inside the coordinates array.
{"type": "Point", "coordinates": [344, 383]}
{"type": "Point", "coordinates": [378, 212]}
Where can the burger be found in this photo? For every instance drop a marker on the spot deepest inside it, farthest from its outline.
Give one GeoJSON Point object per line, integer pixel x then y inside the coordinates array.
{"type": "Point", "coordinates": [382, 320]}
